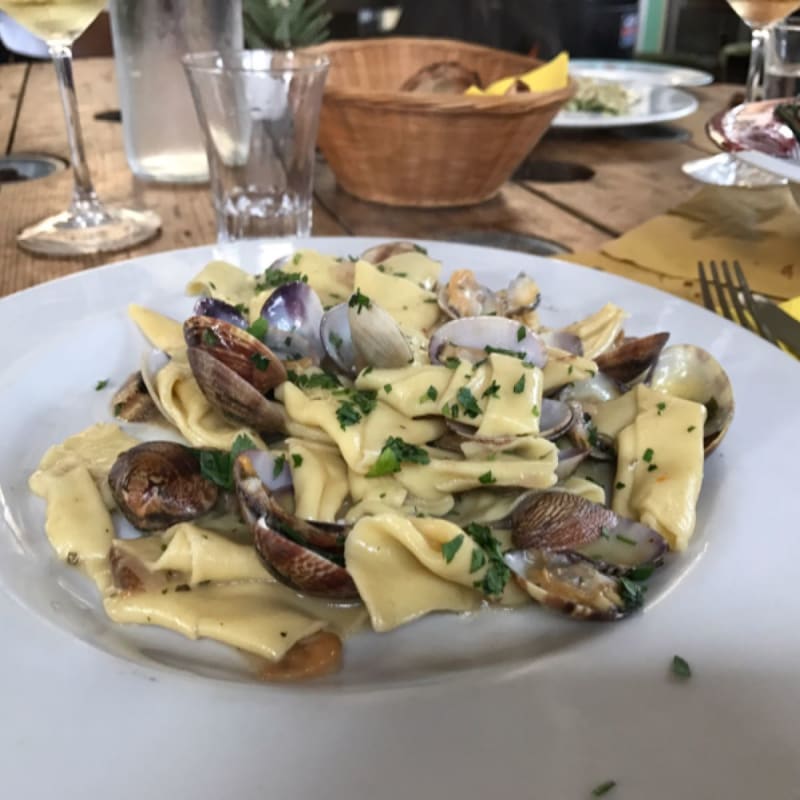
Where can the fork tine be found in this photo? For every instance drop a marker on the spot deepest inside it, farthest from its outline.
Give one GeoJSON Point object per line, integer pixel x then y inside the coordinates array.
{"type": "Point", "coordinates": [720, 289]}
{"type": "Point", "coordinates": [748, 300]}
{"type": "Point", "coordinates": [708, 301]}
{"type": "Point", "coordinates": [744, 320]}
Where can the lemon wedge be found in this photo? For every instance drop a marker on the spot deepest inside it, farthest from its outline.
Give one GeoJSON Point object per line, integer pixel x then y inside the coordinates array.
{"type": "Point", "coordinates": [549, 77]}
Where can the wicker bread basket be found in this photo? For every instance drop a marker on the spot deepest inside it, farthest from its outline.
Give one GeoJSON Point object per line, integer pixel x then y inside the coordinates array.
{"type": "Point", "coordinates": [409, 149]}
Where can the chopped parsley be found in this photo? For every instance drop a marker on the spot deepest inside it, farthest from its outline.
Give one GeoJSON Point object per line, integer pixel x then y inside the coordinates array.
{"type": "Point", "coordinates": [450, 411]}
{"type": "Point", "coordinates": [652, 467]}
{"type": "Point", "coordinates": [680, 668]}
{"type": "Point", "coordinates": [317, 380]}
{"type": "Point", "coordinates": [604, 533]}
{"type": "Point", "coordinates": [569, 370]}
{"type": "Point", "coordinates": [477, 560]}
{"type": "Point", "coordinates": [504, 352]}
{"type": "Point", "coordinates": [387, 387]}
{"type": "Point", "coordinates": [521, 333]}
{"type": "Point", "coordinates": [359, 301]}
{"type": "Point", "coordinates": [273, 278]}
{"type": "Point", "coordinates": [277, 467]}
{"type": "Point", "coordinates": [297, 460]}
{"type": "Point", "coordinates": [209, 338]}
{"type": "Point", "coordinates": [648, 455]}
{"type": "Point", "coordinates": [603, 788]}
{"type": "Point", "coordinates": [395, 452]}
{"type": "Point", "coordinates": [336, 341]}
{"type": "Point", "coordinates": [261, 362]}
{"type": "Point", "coordinates": [431, 394]}
{"type": "Point", "coordinates": [497, 573]}
{"type": "Point", "coordinates": [241, 309]}
{"type": "Point", "coordinates": [641, 573]}
{"type": "Point", "coordinates": [661, 407]}
{"type": "Point", "coordinates": [691, 428]}
{"type": "Point", "coordinates": [519, 386]}
{"type": "Point", "coordinates": [487, 478]}
{"type": "Point", "coordinates": [420, 249]}
{"type": "Point", "coordinates": [625, 539]}
{"type": "Point", "coordinates": [296, 258]}
{"type": "Point", "coordinates": [355, 404]}
{"type": "Point", "coordinates": [217, 465]}
{"type": "Point", "coordinates": [493, 390]}
{"type": "Point", "coordinates": [468, 402]}
{"type": "Point", "coordinates": [259, 328]}
{"type": "Point", "coordinates": [631, 592]}
{"type": "Point", "coordinates": [619, 485]}
{"type": "Point", "coordinates": [535, 411]}
{"type": "Point", "coordinates": [100, 385]}
{"type": "Point", "coordinates": [118, 408]}
{"type": "Point", "coordinates": [449, 549]}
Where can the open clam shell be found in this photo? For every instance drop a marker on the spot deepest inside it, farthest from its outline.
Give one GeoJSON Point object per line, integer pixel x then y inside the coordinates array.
{"type": "Point", "coordinates": [219, 309]}
{"type": "Point", "coordinates": [158, 484]}
{"type": "Point", "coordinates": [383, 252]}
{"type": "Point", "coordinates": [337, 340]}
{"type": "Point", "coordinates": [463, 296]}
{"type": "Point", "coordinates": [376, 337]}
{"type": "Point", "coordinates": [692, 373]}
{"type": "Point", "coordinates": [632, 359]}
{"type": "Point", "coordinates": [293, 313]}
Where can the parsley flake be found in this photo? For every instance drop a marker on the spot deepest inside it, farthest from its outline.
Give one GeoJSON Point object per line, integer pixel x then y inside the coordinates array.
{"type": "Point", "coordinates": [691, 428]}
{"type": "Point", "coordinates": [468, 402]}
{"type": "Point", "coordinates": [504, 352]}
{"type": "Point", "coordinates": [521, 333]}
{"type": "Point", "coordinates": [449, 549]}
{"type": "Point", "coordinates": [209, 338]}
{"type": "Point", "coordinates": [648, 455]}
{"type": "Point", "coordinates": [519, 386]}
{"type": "Point", "coordinates": [359, 301]}
{"type": "Point", "coordinates": [387, 387]}
{"type": "Point", "coordinates": [217, 465]}
{"type": "Point", "coordinates": [535, 411]}
{"type": "Point", "coordinates": [477, 560]}
{"type": "Point", "coordinates": [316, 380]}
{"type": "Point", "coordinates": [661, 407]}
{"type": "Point", "coordinates": [297, 460]}
{"type": "Point", "coordinates": [497, 573]}
{"type": "Point", "coordinates": [493, 390]}
{"type": "Point", "coordinates": [395, 452]}
{"type": "Point", "coordinates": [625, 539]}
{"type": "Point", "coordinates": [296, 258]}
{"type": "Point", "coordinates": [273, 278]}
{"type": "Point", "coordinates": [261, 362]}
{"type": "Point", "coordinates": [100, 385]}
{"type": "Point", "coordinates": [259, 328]}
{"type": "Point", "coordinates": [680, 668]}
{"type": "Point", "coordinates": [431, 394]}
{"type": "Point", "coordinates": [277, 467]}
{"type": "Point", "coordinates": [603, 788]}
{"type": "Point", "coordinates": [420, 249]}
{"type": "Point", "coordinates": [487, 478]}
{"type": "Point", "coordinates": [652, 467]}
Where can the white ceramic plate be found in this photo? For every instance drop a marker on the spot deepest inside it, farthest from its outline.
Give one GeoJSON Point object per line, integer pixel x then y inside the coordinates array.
{"type": "Point", "coordinates": [652, 104]}
{"type": "Point", "coordinates": [524, 704]}
{"type": "Point", "coordinates": [639, 71]}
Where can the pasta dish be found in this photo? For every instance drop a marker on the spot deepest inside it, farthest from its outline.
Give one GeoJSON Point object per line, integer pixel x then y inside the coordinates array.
{"type": "Point", "coordinates": [354, 443]}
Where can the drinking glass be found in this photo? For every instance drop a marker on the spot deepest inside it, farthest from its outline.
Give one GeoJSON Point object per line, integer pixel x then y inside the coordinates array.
{"type": "Point", "coordinates": [259, 112]}
{"type": "Point", "coordinates": [150, 38]}
{"type": "Point", "coordinates": [782, 61]}
{"type": "Point", "coordinates": [88, 226]}
{"type": "Point", "coordinates": [724, 169]}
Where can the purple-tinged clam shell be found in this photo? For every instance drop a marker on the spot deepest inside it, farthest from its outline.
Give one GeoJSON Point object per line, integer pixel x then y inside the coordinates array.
{"type": "Point", "coordinates": [293, 313]}
{"type": "Point", "coordinates": [337, 340]}
{"type": "Point", "coordinates": [219, 309]}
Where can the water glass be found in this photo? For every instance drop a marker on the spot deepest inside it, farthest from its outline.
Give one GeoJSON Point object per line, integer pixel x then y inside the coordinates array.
{"type": "Point", "coordinates": [782, 61]}
{"type": "Point", "coordinates": [259, 112]}
{"type": "Point", "coordinates": [163, 141]}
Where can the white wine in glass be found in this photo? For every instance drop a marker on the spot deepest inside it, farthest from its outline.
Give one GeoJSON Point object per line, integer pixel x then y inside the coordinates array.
{"type": "Point", "coordinates": [88, 226]}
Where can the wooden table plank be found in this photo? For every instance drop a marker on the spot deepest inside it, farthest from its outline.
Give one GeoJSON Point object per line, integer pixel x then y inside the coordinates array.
{"type": "Point", "coordinates": [186, 211]}
{"type": "Point", "coordinates": [12, 80]}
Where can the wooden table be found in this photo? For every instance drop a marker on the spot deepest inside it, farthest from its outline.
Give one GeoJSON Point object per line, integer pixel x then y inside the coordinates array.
{"type": "Point", "coordinates": [579, 215]}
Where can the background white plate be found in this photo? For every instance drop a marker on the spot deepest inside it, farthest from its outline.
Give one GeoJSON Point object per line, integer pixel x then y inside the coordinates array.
{"type": "Point", "coordinates": [652, 104]}
{"type": "Point", "coordinates": [476, 708]}
{"type": "Point", "coordinates": [640, 71]}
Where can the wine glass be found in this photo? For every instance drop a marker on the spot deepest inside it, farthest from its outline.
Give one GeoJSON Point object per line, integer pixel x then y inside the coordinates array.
{"type": "Point", "coordinates": [88, 226]}
{"type": "Point", "coordinates": [725, 169]}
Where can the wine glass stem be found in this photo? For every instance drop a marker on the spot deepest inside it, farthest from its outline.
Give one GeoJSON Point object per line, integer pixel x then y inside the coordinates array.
{"type": "Point", "coordinates": [755, 71]}
{"type": "Point", "coordinates": [83, 194]}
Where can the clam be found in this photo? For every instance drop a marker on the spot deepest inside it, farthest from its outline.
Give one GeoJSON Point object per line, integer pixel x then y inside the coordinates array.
{"type": "Point", "coordinates": [293, 313]}
{"type": "Point", "coordinates": [463, 296]}
{"type": "Point", "coordinates": [556, 418]}
{"type": "Point", "coordinates": [592, 392]}
{"type": "Point", "coordinates": [472, 338]}
{"type": "Point", "coordinates": [377, 339]}
{"type": "Point", "coordinates": [442, 77]}
{"type": "Point", "coordinates": [569, 459]}
{"type": "Point", "coordinates": [307, 556]}
{"type": "Point", "coordinates": [691, 373]}
{"type": "Point", "coordinates": [334, 330]}
{"type": "Point", "coordinates": [132, 402]}
{"type": "Point", "coordinates": [632, 359]}
{"type": "Point", "coordinates": [158, 484]}
{"type": "Point", "coordinates": [234, 370]}
{"type": "Point", "coordinates": [383, 252]}
{"type": "Point", "coordinates": [563, 340]}
{"type": "Point", "coordinates": [575, 556]}
{"type": "Point", "coordinates": [219, 309]}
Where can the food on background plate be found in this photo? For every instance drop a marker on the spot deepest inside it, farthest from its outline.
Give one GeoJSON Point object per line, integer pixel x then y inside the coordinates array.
{"type": "Point", "coordinates": [601, 97]}
{"type": "Point", "coordinates": [355, 443]}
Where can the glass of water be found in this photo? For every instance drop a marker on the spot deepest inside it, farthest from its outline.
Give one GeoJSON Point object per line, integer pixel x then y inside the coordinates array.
{"type": "Point", "coordinates": [259, 112]}
{"type": "Point", "coordinates": [782, 61]}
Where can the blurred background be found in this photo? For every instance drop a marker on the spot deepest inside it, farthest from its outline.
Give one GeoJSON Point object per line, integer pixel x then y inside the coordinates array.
{"type": "Point", "coordinates": [700, 33]}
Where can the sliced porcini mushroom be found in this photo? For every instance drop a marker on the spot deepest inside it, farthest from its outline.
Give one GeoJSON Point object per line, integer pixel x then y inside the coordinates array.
{"type": "Point", "coordinates": [219, 309]}
{"type": "Point", "coordinates": [463, 296]}
{"type": "Point", "coordinates": [632, 359]}
{"type": "Point", "coordinates": [158, 484]}
{"type": "Point", "coordinates": [383, 252]}
{"type": "Point", "coordinates": [691, 373]}
{"type": "Point", "coordinates": [571, 585]}
{"type": "Point", "coordinates": [442, 77]}
{"type": "Point", "coordinates": [301, 568]}
{"type": "Point", "coordinates": [293, 313]}
{"type": "Point", "coordinates": [376, 337]}
{"type": "Point", "coordinates": [133, 403]}
{"type": "Point", "coordinates": [334, 331]}
{"type": "Point", "coordinates": [472, 338]}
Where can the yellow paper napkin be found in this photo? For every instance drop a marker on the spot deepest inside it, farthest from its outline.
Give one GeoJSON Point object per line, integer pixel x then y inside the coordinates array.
{"type": "Point", "coordinates": [549, 77]}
